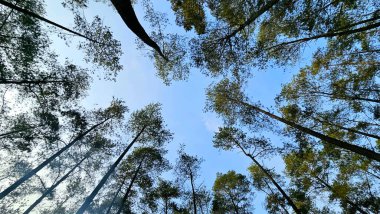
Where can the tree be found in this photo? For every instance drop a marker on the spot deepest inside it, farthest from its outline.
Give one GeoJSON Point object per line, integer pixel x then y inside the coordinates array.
{"type": "Point", "coordinates": [187, 169]}
{"type": "Point", "coordinates": [167, 191]}
{"type": "Point", "coordinates": [146, 126]}
{"type": "Point", "coordinates": [34, 15]}
{"type": "Point", "coordinates": [151, 164]}
{"type": "Point", "coordinates": [229, 138]}
{"type": "Point", "coordinates": [232, 193]}
{"type": "Point", "coordinates": [190, 14]}
{"type": "Point", "coordinates": [226, 98]}
{"type": "Point", "coordinates": [98, 146]}
{"type": "Point", "coordinates": [310, 169]}
{"type": "Point", "coordinates": [115, 111]}
{"type": "Point", "coordinates": [100, 48]}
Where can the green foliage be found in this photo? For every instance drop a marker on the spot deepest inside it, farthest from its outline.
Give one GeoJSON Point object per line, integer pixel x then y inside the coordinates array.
{"type": "Point", "coordinates": [232, 193]}
{"type": "Point", "coordinates": [150, 117]}
{"type": "Point", "coordinates": [190, 14]}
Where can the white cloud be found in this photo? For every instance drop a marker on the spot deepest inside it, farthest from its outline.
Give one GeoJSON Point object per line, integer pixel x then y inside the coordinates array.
{"type": "Point", "coordinates": [211, 122]}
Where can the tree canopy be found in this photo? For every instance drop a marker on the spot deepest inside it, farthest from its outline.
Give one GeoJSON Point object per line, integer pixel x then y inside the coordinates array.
{"type": "Point", "coordinates": [314, 147]}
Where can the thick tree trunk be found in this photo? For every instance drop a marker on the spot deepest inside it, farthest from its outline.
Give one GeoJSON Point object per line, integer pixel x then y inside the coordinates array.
{"type": "Point", "coordinates": [89, 199]}
{"type": "Point", "coordinates": [46, 162]}
{"type": "Point", "coordinates": [344, 145]}
{"type": "Point", "coordinates": [22, 10]}
{"type": "Point", "coordinates": [127, 13]}
{"type": "Point", "coordinates": [50, 190]}
{"type": "Point", "coordinates": [128, 192]}
{"type": "Point", "coordinates": [288, 199]}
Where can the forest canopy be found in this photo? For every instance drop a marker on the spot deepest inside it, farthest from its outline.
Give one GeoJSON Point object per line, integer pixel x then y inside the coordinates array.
{"type": "Point", "coordinates": [311, 144]}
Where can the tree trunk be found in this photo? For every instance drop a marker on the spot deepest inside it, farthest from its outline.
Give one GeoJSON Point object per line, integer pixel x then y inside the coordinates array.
{"type": "Point", "coordinates": [166, 206]}
{"type": "Point", "coordinates": [6, 18]}
{"type": "Point", "coordinates": [17, 131]}
{"type": "Point", "coordinates": [127, 13]}
{"type": "Point", "coordinates": [348, 129]}
{"type": "Point", "coordinates": [20, 82]}
{"type": "Point", "coordinates": [341, 144]}
{"type": "Point", "coordinates": [50, 190]}
{"type": "Point", "coordinates": [252, 18]}
{"type": "Point", "coordinates": [89, 199]}
{"type": "Point", "coordinates": [328, 34]}
{"type": "Point", "coordinates": [193, 193]}
{"type": "Point", "coordinates": [288, 199]}
{"type": "Point", "coordinates": [347, 97]}
{"type": "Point", "coordinates": [46, 162]}
{"type": "Point", "coordinates": [236, 208]}
{"type": "Point", "coordinates": [130, 186]}
{"type": "Point", "coordinates": [281, 204]}
{"type": "Point", "coordinates": [25, 11]}
{"type": "Point", "coordinates": [117, 193]}
{"type": "Point", "coordinates": [346, 199]}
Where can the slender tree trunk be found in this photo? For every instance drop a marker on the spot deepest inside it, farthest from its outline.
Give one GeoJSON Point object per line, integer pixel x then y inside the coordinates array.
{"type": "Point", "coordinates": [236, 208]}
{"type": "Point", "coordinates": [128, 192]}
{"type": "Point", "coordinates": [372, 174]}
{"type": "Point", "coordinates": [353, 148]}
{"type": "Point", "coordinates": [328, 34]}
{"type": "Point", "coordinates": [333, 96]}
{"type": "Point", "coordinates": [6, 18]}
{"type": "Point", "coordinates": [252, 18]}
{"type": "Point", "coordinates": [374, 18]}
{"type": "Point", "coordinates": [46, 162]}
{"type": "Point", "coordinates": [50, 190]}
{"type": "Point", "coordinates": [200, 205]}
{"type": "Point", "coordinates": [166, 206]}
{"type": "Point", "coordinates": [127, 13]}
{"type": "Point", "coordinates": [348, 129]}
{"type": "Point", "coordinates": [288, 199]}
{"type": "Point", "coordinates": [116, 194]}
{"type": "Point", "coordinates": [19, 130]}
{"type": "Point", "coordinates": [346, 199]}
{"type": "Point", "coordinates": [89, 199]}
{"type": "Point", "coordinates": [20, 82]}
{"type": "Point", "coordinates": [281, 204]}
{"type": "Point", "coordinates": [193, 193]}
{"type": "Point", "coordinates": [365, 52]}
{"type": "Point", "coordinates": [30, 13]}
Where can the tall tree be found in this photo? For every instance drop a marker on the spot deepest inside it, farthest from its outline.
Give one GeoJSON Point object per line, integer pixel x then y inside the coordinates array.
{"type": "Point", "coordinates": [232, 193]}
{"type": "Point", "coordinates": [309, 169]}
{"type": "Point", "coordinates": [147, 127]}
{"type": "Point", "coordinates": [115, 111]}
{"type": "Point", "coordinates": [229, 138]}
{"type": "Point", "coordinates": [227, 99]}
{"type": "Point", "coordinates": [97, 147]}
{"type": "Point", "coordinates": [187, 169]}
{"type": "Point", "coordinates": [150, 163]}
{"type": "Point", "coordinates": [166, 191]}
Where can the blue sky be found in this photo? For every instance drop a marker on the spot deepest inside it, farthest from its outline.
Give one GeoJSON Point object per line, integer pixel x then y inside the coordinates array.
{"type": "Point", "coordinates": [183, 102]}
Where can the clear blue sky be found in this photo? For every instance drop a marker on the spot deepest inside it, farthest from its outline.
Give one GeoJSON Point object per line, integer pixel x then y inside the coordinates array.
{"type": "Point", "coordinates": [183, 102]}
